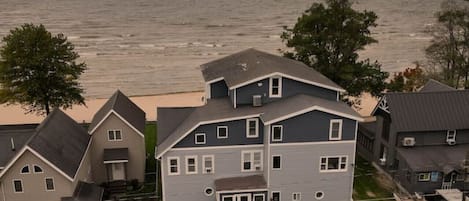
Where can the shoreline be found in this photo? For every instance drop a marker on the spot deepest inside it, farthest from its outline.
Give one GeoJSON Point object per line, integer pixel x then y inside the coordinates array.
{"type": "Point", "coordinates": [14, 114]}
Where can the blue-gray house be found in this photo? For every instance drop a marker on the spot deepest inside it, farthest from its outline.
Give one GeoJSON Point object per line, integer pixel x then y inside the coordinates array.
{"type": "Point", "coordinates": [271, 129]}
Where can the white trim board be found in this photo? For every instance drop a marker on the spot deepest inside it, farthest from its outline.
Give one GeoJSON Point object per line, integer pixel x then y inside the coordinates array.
{"type": "Point", "coordinates": [112, 111]}
{"type": "Point", "coordinates": [310, 109]}
{"type": "Point", "coordinates": [312, 143]}
{"type": "Point", "coordinates": [116, 161]}
{"type": "Point", "coordinates": [289, 77]}
{"type": "Point", "coordinates": [219, 147]}
{"type": "Point", "coordinates": [242, 191]}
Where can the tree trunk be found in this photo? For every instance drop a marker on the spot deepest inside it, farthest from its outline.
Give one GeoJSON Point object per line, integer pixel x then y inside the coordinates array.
{"type": "Point", "coordinates": [46, 105]}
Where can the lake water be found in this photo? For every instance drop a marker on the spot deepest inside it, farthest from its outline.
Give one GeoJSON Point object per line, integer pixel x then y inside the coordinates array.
{"type": "Point", "coordinates": [149, 47]}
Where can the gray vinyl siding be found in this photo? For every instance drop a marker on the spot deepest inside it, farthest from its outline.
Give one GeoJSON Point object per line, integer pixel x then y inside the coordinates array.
{"type": "Point", "coordinates": [434, 137]}
{"type": "Point", "coordinates": [289, 88]}
{"type": "Point", "coordinates": [227, 163]}
{"type": "Point", "coordinates": [313, 127]}
{"type": "Point", "coordinates": [218, 89]}
{"type": "Point", "coordinates": [236, 135]}
{"type": "Point", "coordinates": [300, 171]}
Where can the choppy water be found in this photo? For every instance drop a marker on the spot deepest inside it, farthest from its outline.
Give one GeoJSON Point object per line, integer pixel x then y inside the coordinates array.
{"type": "Point", "coordinates": [155, 46]}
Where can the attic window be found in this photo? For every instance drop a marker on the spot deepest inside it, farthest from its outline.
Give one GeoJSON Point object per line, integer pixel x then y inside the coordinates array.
{"type": "Point", "coordinates": [114, 135]}
{"type": "Point", "coordinates": [275, 87]}
{"type": "Point", "coordinates": [37, 169]}
{"type": "Point", "coordinates": [200, 138]}
{"type": "Point", "coordinates": [25, 169]}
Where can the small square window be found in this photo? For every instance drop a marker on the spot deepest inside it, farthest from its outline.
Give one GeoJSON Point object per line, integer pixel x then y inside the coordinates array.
{"type": "Point", "coordinates": [18, 186]}
{"type": "Point", "coordinates": [277, 132]}
{"type": "Point", "coordinates": [200, 138]}
{"type": "Point", "coordinates": [424, 176]}
{"type": "Point", "coordinates": [222, 132]}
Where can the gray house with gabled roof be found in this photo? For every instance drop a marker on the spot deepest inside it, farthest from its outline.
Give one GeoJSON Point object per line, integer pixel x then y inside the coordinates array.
{"type": "Point", "coordinates": [46, 162]}
{"type": "Point", "coordinates": [421, 138]}
{"type": "Point", "coordinates": [271, 129]}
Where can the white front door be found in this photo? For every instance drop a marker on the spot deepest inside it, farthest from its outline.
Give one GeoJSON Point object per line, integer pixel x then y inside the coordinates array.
{"type": "Point", "coordinates": [118, 171]}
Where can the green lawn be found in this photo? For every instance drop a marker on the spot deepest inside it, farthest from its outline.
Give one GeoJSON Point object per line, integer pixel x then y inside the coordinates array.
{"type": "Point", "coordinates": [150, 142]}
{"type": "Point", "coordinates": [365, 185]}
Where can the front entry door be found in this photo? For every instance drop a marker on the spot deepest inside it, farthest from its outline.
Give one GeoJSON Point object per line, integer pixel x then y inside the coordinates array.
{"type": "Point", "coordinates": [118, 171]}
{"type": "Point", "coordinates": [448, 180]}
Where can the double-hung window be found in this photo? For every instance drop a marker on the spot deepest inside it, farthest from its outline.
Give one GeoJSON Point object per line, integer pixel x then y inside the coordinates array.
{"type": "Point", "coordinates": [18, 186]}
{"type": "Point", "coordinates": [191, 164]}
{"type": "Point", "coordinates": [275, 87]}
{"type": "Point", "coordinates": [50, 184]}
{"type": "Point", "coordinates": [173, 165]}
{"type": "Point", "coordinates": [114, 135]}
{"type": "Point", "coordinates": [252, 128]}
{"type": "Point", "coordinates": [333, 164]}
{"type": "Point", "coordinates": [208, 164]}
{"type": "Point", "coordinates": [335, 129]}
{"type": "Point", "coordinates": [251, 161]}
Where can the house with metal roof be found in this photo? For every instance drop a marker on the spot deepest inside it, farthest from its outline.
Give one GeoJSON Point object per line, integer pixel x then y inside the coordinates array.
{"type": "Point", "coordinates": [271, 129]}
{"type": "Point", "coordinates": [420, 138]}
{"type": "Point", "coordinates": [44, 162]}
{"type": "Point", "coordinates": [118, 141]}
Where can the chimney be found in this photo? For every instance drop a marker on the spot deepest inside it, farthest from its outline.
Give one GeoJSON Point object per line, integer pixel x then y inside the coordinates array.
{"type": "Point", "coordinates": [12, 144]}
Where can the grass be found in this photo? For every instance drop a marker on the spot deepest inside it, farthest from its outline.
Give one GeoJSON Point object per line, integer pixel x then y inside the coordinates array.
{"type": "Point", "coordinates": [365, 185]}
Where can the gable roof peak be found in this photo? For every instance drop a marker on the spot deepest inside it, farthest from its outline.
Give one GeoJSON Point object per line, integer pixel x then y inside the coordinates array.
{"type": "Point", "coordinates": [435, 86]}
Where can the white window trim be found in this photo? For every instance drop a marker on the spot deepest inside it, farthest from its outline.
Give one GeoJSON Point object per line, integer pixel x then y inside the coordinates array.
{"type": "Point", "coordinates": [45, 184]}
{"type": "Point", "coordinates": [178, 165]}
{"type": "Point", "coordinates": [340, 129]}
{"type": "Point", "coordinates": [280, 162]}
{"type": "Point", "coordinates": [14, 188]}
{"type": "Point", "coordinates": [253, 169]}
{"type": "Point", "coordinates": [114, 131]}
{"type": "Point", "coordinates": [199, 134]}
{"type": "Point", "coordinates": [279, 194]}
{"type": "Point", "coordinates": [29, 169]}
{"type": "Point", "coordinates": [298, 195]}
{"type": "Point", "coordinates": [34, 170]}
{"type": "Point", "coordinates": [425, 173]}
{"type": "Point", "coordinates": [204, 171]}
{"type": "Point", "coordinates": [195, 164]}
{"type": "Point", "coordinates": [319, 198]}
{"type": "Point", "coordinates": [218, 132]}
{"type": "Point", "coordinates": [448, 135]}
{"type": "Point", "coordinates": [255, 195]}
{"type": "Point", "coordinates": [340, 161]}
{"type": "Point", "coordinates": [279, 95]}
{"type": "Point", "coordinates": [257, 128]}
{"type": "Point", "coordinates": [281, 133]}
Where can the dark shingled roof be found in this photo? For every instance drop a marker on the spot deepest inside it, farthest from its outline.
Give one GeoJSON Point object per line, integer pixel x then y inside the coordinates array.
{"type": "Point", "coordinates": [116, 154]}
{"type": "Point", "coordinates": [20, 135]}
{"type": "Point", "coordinates": [61, 141]}
{"type": "Point", "coordinates": [435, 86]}
{"type": "Point", "coordinates": [125, 108]}
{"type": "Point", "coordinates": [241, 183]}
{"type": "Point", "coordinates": [86, 192]}
{"type": "Point", "coordinates": [425, 111]}
{"type": "Point", "coordinates": [170, 118]}
{"type": "Point", "coordinates": [443, 158]}
{"type": "Point", "coordinates": [217, 109]}
{"type": "Point", "coordinates": [251, 64]}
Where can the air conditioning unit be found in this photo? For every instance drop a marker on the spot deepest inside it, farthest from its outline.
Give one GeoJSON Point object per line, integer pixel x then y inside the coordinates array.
{"type": "Point", "coordinates": [451, 141]}
{"type": "Point", "coordinates": [408, 142]}
{"type": "Point", "coordinates": [257, 100]}
{"type": "Point", "coordinates": [382, 161]}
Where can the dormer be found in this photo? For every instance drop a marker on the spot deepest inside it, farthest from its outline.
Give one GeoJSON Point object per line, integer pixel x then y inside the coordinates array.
{"type": "Point", "coordinates": [252, 77]}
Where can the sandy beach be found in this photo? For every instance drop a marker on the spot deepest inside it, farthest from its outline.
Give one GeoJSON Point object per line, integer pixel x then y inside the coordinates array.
{"type": "Point", "coordinates": [14, 114]}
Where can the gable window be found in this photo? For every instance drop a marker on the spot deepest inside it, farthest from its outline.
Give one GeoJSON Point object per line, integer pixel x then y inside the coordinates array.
{"type": "Point", "coordinates": [222, 132]}
{"type": "Point", "coordinates": [208, 165]}
{"type": "Point", "coordinates": [296, 196]}
{"type": "Point", "coordinates": [200, 138]}
{"type": "Point", "coordinates": [251, 161]}
{"type": "Point", "coordinates": [277, 133]}
{"type": "Point", "coordinates": [252, 128]}
{"type": "Point", "coordinates": [333, 164]}
{"type": "Point", "coordinates": [275, 87]}
{"type": "Point", "coordinates": [25, 169]}
{"type": "Point", "coordinates": [37, 169]}
{"type": "Point", "coordinates": [276, 162]}
{"type": "Point", "coordinates": [191, 164]}
{"type": "Point", "coordinates": [18, 186]}
{"type": "Point", "coordinates": [451, 136]}
{"type": "Point", "coordinates": [114, 135]}
{"type": "Point", "coordinates": [425, 176]}
{"type": "Point", "coordinates": [173, 166]}
{"type": "Point", "coordinates": [335, 129]}
{"type": "Point", "coordinates": [50, 184]}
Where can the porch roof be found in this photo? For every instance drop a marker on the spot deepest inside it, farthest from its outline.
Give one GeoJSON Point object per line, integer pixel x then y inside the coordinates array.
{"type": "Point", "coordinates": [119, 154]}
{"type": "Point", "coordinates": [240, 183]}
{"type": "Point", "coordinates": [444, 158]}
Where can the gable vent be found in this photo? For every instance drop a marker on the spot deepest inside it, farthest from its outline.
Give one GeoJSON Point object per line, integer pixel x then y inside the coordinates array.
{"type": "Point", "coordinates": [12, 144]}
{"type": "Point", "coordinates": [257, 100]}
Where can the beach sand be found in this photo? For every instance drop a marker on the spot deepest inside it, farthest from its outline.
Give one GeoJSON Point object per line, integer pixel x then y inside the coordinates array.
{"type": "Point", "coordinates": [14, 114]}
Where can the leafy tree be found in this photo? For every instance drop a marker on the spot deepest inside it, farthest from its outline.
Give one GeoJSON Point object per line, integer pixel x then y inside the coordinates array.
{"type": "Point", "coordinates": [448, 51]}
{"type": "Point", "coordinates": [39, 71]}
{"type": "Point", "coordinates": [408, 80]}
{"type": "Point", "coordinates": [328, 38]}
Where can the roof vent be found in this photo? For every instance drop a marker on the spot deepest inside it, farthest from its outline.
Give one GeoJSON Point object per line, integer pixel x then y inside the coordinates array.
{"type": "Point", "coordinates": [257, 100]}
{"type": "Point", "coordinates": [12, 144]}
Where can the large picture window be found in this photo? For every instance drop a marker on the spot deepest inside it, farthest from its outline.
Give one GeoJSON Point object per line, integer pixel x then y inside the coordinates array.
{"type": "Point", "coordinates": [251, 161]}
{"type": "Point", "coordinates": [333, 164]}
